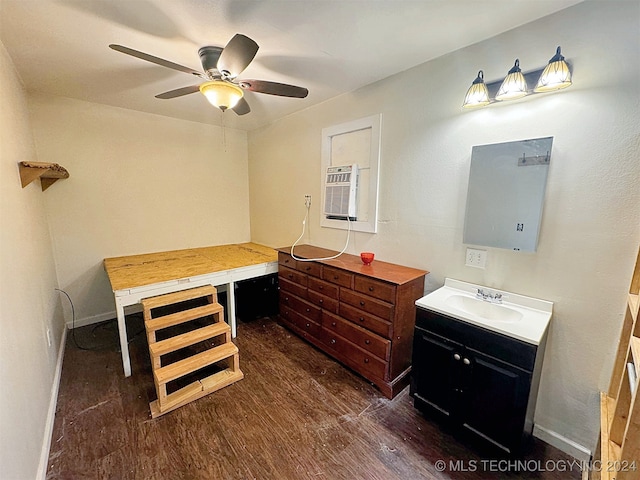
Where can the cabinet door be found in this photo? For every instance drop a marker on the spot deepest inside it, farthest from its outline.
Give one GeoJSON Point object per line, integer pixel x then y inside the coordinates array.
{"type": "Point", "coordinates": [495, 399]}
{"type": "Point", "coordinates": [435, 370]}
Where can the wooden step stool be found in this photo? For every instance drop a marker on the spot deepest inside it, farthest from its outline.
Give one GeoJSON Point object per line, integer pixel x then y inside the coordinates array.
{"type": "Point", "coordinates": [174, 309]}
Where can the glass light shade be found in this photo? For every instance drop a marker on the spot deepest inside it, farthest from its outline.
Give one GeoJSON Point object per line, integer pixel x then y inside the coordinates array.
{"type": "Point", "coordinates": [477, 95]}
{"type": "Point", "coordinates": [221, 94]}
{"type": "Point", "coordinates": [555, 76]}
{"type": "Point", "coordinates": [514, 85]}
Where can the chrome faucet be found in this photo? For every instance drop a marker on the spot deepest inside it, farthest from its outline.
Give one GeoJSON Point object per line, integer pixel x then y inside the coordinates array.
{"type": "Point", "coordinates": [488, 296]}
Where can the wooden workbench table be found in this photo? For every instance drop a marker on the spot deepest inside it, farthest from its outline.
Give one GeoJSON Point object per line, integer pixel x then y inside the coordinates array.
{"type": "Point", "coordinates": [136, 277]}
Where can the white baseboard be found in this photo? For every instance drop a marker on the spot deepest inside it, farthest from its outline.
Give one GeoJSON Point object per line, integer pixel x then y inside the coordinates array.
{"type": "Point", "coordinates": [102, 317]}
{"type": "Point", "coordinates": [51, 414]}
{"type": "Point", "coordinates": [561, 442]}
{"type": "Point", "coordinates": [82, 322]}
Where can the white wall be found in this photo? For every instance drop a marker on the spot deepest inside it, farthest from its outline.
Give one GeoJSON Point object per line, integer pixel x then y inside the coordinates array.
{"type": "Point", "coordinates": [591, 224]}
{"type": "Point", "coordinates": [138, 183]}
{"type": "Point", "coordinates": [29, 305]}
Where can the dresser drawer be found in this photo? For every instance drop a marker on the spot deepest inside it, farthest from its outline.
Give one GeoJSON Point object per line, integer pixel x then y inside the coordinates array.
{"type": "Point", "coordinates": [293, 276]}
{"type": "Point", "coordinates": [371, 305]}
{"type": "Point", "coordinates": [294, 288]}
{"type": "Point", "coordinates": [339, 277]}
{"type": "Point", "coordinates": [310, 268]}
{"type": "Point", "coordinates": [359, 336]}
{"type": "Point", "coordinates": [322, 301]}
{"type": "Point", "coordinates": [375, 288]}
{"type": "Point", "coordinates": [286, 260]}
{"type": "Point", "coordinates": [366, 320]}
{"type": "Point", "coordinates": [360, 359]}
{"type": "Point", "coordinates": [302, 324]}
{"type": "Point", "coordinates": [325, 288]}
{"type": "Point", "coordinates": [303, 307]}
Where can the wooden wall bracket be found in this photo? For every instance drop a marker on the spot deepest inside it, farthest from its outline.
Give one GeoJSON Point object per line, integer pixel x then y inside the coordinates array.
{"type": "Point", "coordinates": [48, 173]}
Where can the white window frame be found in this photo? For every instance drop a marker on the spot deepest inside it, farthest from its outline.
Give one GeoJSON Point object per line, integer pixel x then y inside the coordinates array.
{"type": "Point", "coordinates": [373, 123]}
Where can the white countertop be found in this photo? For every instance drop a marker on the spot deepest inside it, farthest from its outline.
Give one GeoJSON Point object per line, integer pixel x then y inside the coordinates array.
{"type": "Point", "coordinates": [518, 316]}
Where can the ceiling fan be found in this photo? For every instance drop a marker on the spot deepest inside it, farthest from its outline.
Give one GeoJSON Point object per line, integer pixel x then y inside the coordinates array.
{"type": "Point", "coordinates": [221, 67]}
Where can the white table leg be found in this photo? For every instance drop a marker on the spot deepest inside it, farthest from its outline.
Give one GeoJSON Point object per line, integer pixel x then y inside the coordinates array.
{"type": "Point", "coordinates": [231, 308]}
{"type": "Point", "coordinates": [124, 342]}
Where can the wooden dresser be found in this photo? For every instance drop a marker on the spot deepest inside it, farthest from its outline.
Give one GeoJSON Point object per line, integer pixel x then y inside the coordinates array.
{"type": "Point", "coordinates": [361, 315]}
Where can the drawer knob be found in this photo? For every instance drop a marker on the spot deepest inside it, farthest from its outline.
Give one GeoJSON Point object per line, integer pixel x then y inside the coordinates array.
{"type": "Point", "coordinates": [308, 310]}
{"type": "Point", "coordinates": [333, 340]}
{"type": "Point", "coordinates": [361, 319]}
{"type": "Point", "coordinates": [371, 289]}
{"type": "Point", "coordinates": [286, 299]}
{"type": "Point", "coordinates": [457, 357]}
{"type": "Point", "coordinates": [321, 301]}
{"type": "Point", "coordinates": [335, 277]}
{"type": "Point", "coordinates": [366, 360]}
{"type": "Point", "coordinates": [362, 303]}
{"type": "Point", "coordinates": [367, 341]}
{"type": "Point", "coordinates": [320, 287]}
{"type": "Point", "coordinates": [308, 268]}
{"type": "Point", "coordinates": [466, 361]}
{"type": "Point", "coordinates": [290, 275]}
{"type": "Point", "coordinates": [308, 325]}
{"type": "Point", "coordinates": [333, 324]}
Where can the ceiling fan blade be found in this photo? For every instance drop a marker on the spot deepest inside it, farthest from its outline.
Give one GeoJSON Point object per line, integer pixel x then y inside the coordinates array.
{"type": "Point", "coordinates": [178, 92]}
{"type": "Point", "coordinates": [156, 60]}
{"type": "Point", "coordinates": [242, 107]}
{"type": "Point", "coordinates": [237, 55]}
{"type": "Point", "coordinates": [274, 88]}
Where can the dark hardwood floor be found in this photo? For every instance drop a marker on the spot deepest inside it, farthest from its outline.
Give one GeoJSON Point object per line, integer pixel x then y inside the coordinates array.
{"type": "Point", "coordinates": [296, 415]}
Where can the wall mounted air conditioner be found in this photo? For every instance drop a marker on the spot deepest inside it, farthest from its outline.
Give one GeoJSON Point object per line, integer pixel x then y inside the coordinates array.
{"type": "Point", "coordinates": [341, 186]}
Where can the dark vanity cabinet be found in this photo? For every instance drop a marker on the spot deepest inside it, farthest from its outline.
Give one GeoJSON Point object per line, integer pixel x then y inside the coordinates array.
{"type": "Point", "coordinates": [481, 383]}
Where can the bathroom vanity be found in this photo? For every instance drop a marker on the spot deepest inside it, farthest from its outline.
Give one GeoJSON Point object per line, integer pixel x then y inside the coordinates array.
{"type": "Point", "coordinates": [477, 358]}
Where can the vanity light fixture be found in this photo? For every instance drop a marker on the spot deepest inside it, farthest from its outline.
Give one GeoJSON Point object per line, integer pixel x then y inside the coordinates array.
{"type": "Point", "coordinates": [477, 95]}
{"type": "Point", "coordinates": [514, 85]}
{"type": "Point", "coordinates": [221, 94]}
{"type": "Point", "coordinates": [555, 76]}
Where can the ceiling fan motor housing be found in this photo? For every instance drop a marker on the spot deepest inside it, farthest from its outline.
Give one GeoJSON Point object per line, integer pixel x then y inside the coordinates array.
{"type": "Point", "coordinates": [209, 58]}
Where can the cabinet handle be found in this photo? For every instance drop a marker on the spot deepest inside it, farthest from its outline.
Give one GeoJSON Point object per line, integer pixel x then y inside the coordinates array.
{"type": "Point", "coordinates": [362, 303]}
{"type": "Point", "coordinates": [466, 361]}
{"type": "Point", "coordinates": [367, 341]}
{"type": "Point", "coordinates": [456, 357]}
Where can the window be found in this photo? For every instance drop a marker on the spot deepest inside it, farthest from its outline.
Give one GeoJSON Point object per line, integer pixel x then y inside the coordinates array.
{"type": "Point", "coordinates": [356, 142]}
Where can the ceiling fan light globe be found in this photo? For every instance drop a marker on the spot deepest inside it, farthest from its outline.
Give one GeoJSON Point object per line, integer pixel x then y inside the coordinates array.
{"type": "Point", "coordinates": [221, 94]}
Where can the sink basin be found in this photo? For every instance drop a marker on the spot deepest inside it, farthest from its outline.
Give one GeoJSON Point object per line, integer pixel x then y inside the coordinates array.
{"type": "Point", "coordinates": [489, 311]}
{"type": "Point", "coordinates": [521, 317]}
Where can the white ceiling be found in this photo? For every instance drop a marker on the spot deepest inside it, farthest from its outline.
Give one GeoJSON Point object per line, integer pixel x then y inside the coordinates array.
{"type": "Point", "coordinates": [60, 47]}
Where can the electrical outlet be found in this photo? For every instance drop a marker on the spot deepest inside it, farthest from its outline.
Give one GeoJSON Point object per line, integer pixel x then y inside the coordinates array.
{"type": "Point", "coordinates": [49, 336]}
{"type": "Point", "coordinates": [476, 258]}
{"type": "Point", "coordinates": [307, 200]}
